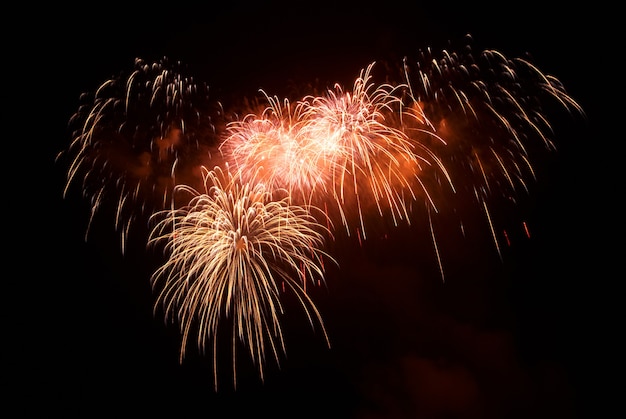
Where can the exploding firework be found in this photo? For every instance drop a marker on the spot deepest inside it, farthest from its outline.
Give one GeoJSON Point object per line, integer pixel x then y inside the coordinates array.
{"type": "Point", "coordinates": [492, 113]}
{"type": "Point", "coordinates": [137, 136]}
{"type": "Point", "coordinates": [230, 252]}
{"type": "Point", "coordinates": [338, 148]}
{"type": "Point", "coordinates": [270, 147]}
{"type": "Point", "coordinates": [377, 168]}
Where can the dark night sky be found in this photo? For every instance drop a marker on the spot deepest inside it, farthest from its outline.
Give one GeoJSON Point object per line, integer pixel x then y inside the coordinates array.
{"type": "Point", "coordinates": [497, 339]}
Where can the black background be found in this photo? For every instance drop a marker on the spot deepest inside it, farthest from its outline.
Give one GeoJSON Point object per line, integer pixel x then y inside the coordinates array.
{"type": "Point", "coordinates": [519, 338]}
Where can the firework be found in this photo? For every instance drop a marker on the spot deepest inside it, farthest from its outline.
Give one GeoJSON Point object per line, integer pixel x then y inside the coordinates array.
{"type": "Point", "coordinates": [136, 137]}
{"type": "Point", "coordinates": [270, 147]}
{"type": "Point", "coordinates": [492, 113]}
{"type": "Point", "coordinates": [230, 252]}
{"type": "Point", "coordinates": [338, 148]}
{"type": "Point", "coordinates": [455, 128]}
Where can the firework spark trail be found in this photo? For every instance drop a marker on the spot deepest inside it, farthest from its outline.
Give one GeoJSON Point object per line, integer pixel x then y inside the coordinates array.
{"type": "Point", "coordinates": [490, 111]}
{"type": "Point", "coordinates": [135, 136]}
{"type": "Point", "coordinates": [228, 254]}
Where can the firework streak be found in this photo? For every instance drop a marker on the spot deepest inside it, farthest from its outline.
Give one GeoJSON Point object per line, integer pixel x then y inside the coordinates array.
{"type": "Point", "coordinates": [287, 176]}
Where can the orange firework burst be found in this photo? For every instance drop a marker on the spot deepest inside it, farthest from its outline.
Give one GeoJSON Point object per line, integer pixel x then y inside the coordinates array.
{"type": "Point", "coordinates": [229, 253]}
{"type": "Point", "coordinates": [272, 148]}
{"type": "Point", "coordinates": [339, 148]}
{"type": "Point", "coordinates": [373, 160]}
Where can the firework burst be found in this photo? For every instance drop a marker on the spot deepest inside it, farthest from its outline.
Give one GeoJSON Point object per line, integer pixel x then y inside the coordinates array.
{"type": "Point", "coordinates": [136, 137]}
{"type": "Point", "coordinates": [376, 166]}
{"type": "Point", "coordinates": [491, 112]}
{"type": "Point", "coordinates": [270, 147]}
{"type": "Point", "coordinates": [339, 148]}
{"type": "Point", "coordinates": [230, 253]}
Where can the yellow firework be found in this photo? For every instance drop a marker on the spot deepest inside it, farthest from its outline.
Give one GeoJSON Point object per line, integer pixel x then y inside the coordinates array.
{"type": "Point", "coordinates": [230, 253]}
